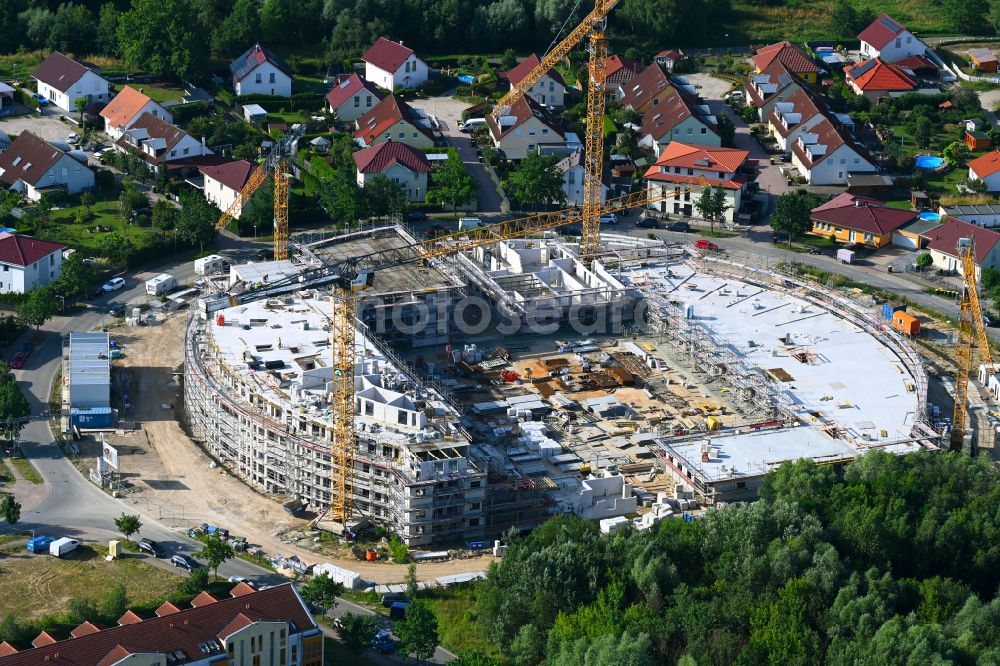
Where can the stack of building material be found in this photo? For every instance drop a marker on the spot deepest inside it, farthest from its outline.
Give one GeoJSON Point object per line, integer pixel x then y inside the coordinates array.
{"type": "Point", "coordinates": [534, 436]}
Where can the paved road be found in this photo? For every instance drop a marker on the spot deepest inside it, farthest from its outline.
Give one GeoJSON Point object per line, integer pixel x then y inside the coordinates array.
{"type": "Point", "coordinates": [344, 607]}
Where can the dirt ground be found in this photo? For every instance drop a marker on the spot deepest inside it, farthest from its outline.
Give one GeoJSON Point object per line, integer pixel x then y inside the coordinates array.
{"type": "Point", "coordinates": [175, 481]}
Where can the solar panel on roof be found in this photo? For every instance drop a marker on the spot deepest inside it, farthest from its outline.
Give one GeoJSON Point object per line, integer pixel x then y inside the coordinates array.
{"type": "Point", "coordinates": [889, 23]}
{"type": "Point", "coordinates": [345, 83]}
{"type": "Point", "coordinates": [863, 68]}
{"type": "Point", "coordinates": [784, 79]}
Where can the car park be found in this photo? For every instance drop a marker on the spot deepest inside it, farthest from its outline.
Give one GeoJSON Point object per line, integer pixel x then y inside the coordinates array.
{"type": "Point", "coordinates": [151, 547]}
{"type": "Point", "coordinates": [703, 244]}
{"type": "Point", "coordinates": [114, 284]}
{"type": "Point", "coordinates": [184, 562]}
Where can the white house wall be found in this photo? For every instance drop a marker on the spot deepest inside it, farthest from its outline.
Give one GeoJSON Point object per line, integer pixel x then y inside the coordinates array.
{"type": "Point", "coordinates": [833, 169]}
{"type": "Point", "coordinates": [517, 143]}
{"type": "Point", "coordinates": [414, 183]}
{"type": "Point", "coordinates": [265, 79]}
{"type": "Point", "coordinates": [90, 86]}
{"type": "Point", "coordinates": [356, 106]}
{"type": "Point", "coordinates": [548, 91]}
{"type": "Point", "coordinates": [411, 74]}
{"type": "Point", "coordinates": [903, 46]}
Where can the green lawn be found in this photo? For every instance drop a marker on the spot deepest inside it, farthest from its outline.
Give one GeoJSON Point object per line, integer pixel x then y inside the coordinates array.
{"type": "Point", "coordinates": [163, 93]}
{"type": "Point", "coordinates": [65, 229]}
{"type": "Point", "coordinates": [455, 608]}
{"type": "Point", "coordinates": [27, 470]}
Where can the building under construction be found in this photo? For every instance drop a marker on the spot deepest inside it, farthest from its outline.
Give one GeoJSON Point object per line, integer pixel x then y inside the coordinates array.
{"type": "Point", "coordinates": [709, 375]}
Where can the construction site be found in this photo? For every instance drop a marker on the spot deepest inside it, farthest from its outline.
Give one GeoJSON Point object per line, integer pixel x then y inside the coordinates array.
{"type": "Point", "coordinates": [644, 383]}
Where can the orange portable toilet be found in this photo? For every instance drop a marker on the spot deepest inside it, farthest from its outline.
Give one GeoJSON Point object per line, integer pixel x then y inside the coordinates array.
{"type": "Point", "coordinates": [906, 323]}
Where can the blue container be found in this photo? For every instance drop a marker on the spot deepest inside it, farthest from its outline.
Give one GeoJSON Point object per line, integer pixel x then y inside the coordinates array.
{"type": "Point", "coordinates": [40, 544]}
{"type": "Point", "coordinates": [94, 417]}
{"type": "Point", "coordinates": [889, 309]}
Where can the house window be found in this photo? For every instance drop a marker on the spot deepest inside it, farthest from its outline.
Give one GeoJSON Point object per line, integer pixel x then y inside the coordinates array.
{"type": "Point", "coordinates": [677, 131]}
{"type": "Point", "coordinates": [544, 132]}
{"type": "Point", "coordinates": [571, 176]}
{"type": "Point", "coordinates": [829, 162]}
{"type": "Point", "coordinates": [690, 130]}
{"type": "Point", "coordinates": [357, 102]}
{"type": "Point", "coordinates": [531, 132]}
{"type": "Point", "coordinates": [402, 135]}
{"type": "Point", "coordinates": [473, 522]}
{"type": "Point", "coordinates": [690, 172]}
{"type": "Point", "coordinates": [704, 130]}
{"type": "Point", "coordinates": [552, 86]}
{"type": "Point", "coordinates": [271, 78]}
{"type": "Point", "coordinates": [173, 153]}
{"type": "Point", "coordinates": [899, 42]}
{"type": "Point", "coordinates": [414, 135]}
{"type": "Point", "coordinates": [368, 101]}
{"type": "Point", "coordinates": [722, 174]}
{"type": "Point", "coordinates": [187, 150]}
{"type": "Point", "coordinates": [843, 160]}
{"type": "Point", "coordinates": [257, 78]}
{"type": "Point", "coordinates": [857, 160]}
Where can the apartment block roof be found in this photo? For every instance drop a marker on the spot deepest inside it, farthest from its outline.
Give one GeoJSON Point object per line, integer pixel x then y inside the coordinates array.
{"type": "Point", "coordinates": [983, 166]}
{"type": "Point", "coordinates": [384, 115]}
{"type": "Point", "coordinates": [253, 58]}
{"type": "Point", "coordinates": [875, 74]}
{"type": "Point", "coordinates": [28, 159]}
{"type": "Point", "coordinates": [378, 158]}
{"type": "Point", "coordinates": [190, 635]}
{"type": "Point", "coordinates": [784, 52]}
{"type": "Point", "coordinates": [862, 214]}
{"type": "Point", "coordinates": [523, 68]}
{"type": "Point", "coordinates": [881, 31]}
{"type": "Point", "coordinates": [945, 238]}
{"type": "Point", "coordinates": [346, 86]}
{"type": "Point", "coordinates": [59, 71]}
{"type": "Point", "coordinates": [387, 55]}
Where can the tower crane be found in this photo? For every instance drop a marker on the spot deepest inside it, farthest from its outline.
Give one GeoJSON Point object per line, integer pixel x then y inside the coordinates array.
{"type": "Point", "coordinates": [275, 164]}
{"type": "Point", "coordinates": [970, 325]}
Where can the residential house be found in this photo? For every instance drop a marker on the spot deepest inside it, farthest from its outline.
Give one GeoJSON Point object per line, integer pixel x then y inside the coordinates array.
{"type": "Point", "coordinates": [828, 152]}
{"type": "Point", "coordinates": [986, 168]}
{"type": "Point", "coordinates": [573, 170]}
{"type": "Point", "coordinates": [668, 58]}
{"type": "Point", "coordinates": [682, 167]}
{"type": "Point", "coordinates": [794, 60]}
{"type": "Point", "coordinates": [258, 71]}
{"type": "Point", "coordinates": [525, 127]}
{"type": "Point", "coordinates": [981, 215]}
{"type": "Point", "coordinates": [160, 144]}
{"type": "Point", "coordinates": [619, 71]}
{"type": "Point", "coordinates": [801, 111]}
{"type": "Point", "coordinates": [852, 219]}
{"type": "Point", "coordinates": [351, 97]}
{"type": "Point", "coordinates": [403, 165]}
{"type": "Point", "coordinates": [678, 117]}
{"type": "Point", "coordinates": [63, 80]}
{"type": "Point", "coordinates": [919, 67]}
{"type": "Point", "coordinates": [549, 90]}
{"type": "Point", "coordinates": [269, 627]}
{"type": "Point", "coordinates": [33, 167]}
{"type": "Point", "coordinates": [773, 85]}
{"type": "Point", "coordinates": [942, 242]}
{"type": "Point", "coordinates": [394, 120]}
{"type": "Point", "coordinates": [983, 59]}
{"type": "Point", "coordinates": [885, 38]}
{"type": "Point", "coordinates": [27, 263]}
{"type": "Point", "coordinates": [646, 90]}
{"type": "Point", "coordinates": [223, 183]}
{"type": "Point", "coordinates": [876, 79]}
{"type": "Point", "coordinates": [392, 66]}
{"type": "Point", "coordinates": [126, 107]}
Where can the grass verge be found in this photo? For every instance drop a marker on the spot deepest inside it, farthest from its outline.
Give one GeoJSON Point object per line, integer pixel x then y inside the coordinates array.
{"type": "Point", "coordinates": [455, 608]}
{"type": "Point", "coordinates": [27, 470]}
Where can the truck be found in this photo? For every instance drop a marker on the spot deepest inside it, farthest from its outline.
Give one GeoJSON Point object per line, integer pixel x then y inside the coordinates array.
{"type": "Point", "coordinates": [60, 547]}
{"type": "Point", "coordinates": [161, 284]}
{"type": "Point", "coordinates": [845, 256]}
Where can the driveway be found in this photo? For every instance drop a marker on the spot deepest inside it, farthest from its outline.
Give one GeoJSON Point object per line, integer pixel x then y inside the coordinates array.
{"type": "Point", "coordinates": [448, 111]}
{"type": "Point", "coordinates": [47, 126]}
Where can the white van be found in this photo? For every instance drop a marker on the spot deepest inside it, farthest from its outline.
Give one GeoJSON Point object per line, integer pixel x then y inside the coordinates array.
{"type": "Point", "coordinates": [472, 124]}
{"type": "Point", "coordinates": [161, 284]}
{"type": "Point", "coordinates": [60, 547]}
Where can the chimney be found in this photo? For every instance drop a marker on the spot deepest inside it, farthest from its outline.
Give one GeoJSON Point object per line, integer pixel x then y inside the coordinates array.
{"type": "Point", "coordinates": [857, 203]}
{"type": "Point", "coordinates": [140, 90]}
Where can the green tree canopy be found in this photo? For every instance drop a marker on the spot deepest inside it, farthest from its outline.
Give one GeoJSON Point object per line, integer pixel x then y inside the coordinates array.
{"type": "Point", "coordinates": [536, 180]}
{"type": "Point", "coordinates": [128, 524]}
{"type": "Point", "coordinates": [215, 551]}
{"type": "Point", "coordinates": [452, 184]}
{"type": "Point", "coordinates": [418, 631]}
{"type": "Point", "coordinates": [322, 591]}
{"type": "Point", "coordinates": [356, 632]}
{"type": "Point", "coordinates": [10, 509]}
{"type": "Point", "coordinates": [162, 37]}
{"type": "Point", "coordinates": [791, 215]}
{"type": "Point", "coordinates": [40, 305]}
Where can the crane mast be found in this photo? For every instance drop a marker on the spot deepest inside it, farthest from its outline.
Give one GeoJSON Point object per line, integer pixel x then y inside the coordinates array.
{"type": "Point", "coordinates": [597, 101]}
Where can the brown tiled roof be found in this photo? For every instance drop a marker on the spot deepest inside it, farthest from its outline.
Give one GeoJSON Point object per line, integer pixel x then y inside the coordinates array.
{"type": "Point", "coordinates": [945, 238]}
{"type": "Point", "coordinates": [387, 55]}
{"type": "Point", "coordinates": [384, 115]}
{"type": "Point", "coordinates": [346, 86]}
{"type": "Point", "coordinates": [59, 71]}
{"type": "Point", "coordinates": [378, 158]}
{"type": "Point", "coordinates": [523, 68]}
{"type": "Point", "coordinates": [666, 115]}
{"type": "Point", "coordinates": [233, 175]}
{"type": "Point", "coordinates": [28, 158]}
{"type": "Point", "coordinates": [129, 618]}
{"type": "Point", "coordinates": [167, 608]}
{"type": "Point", "coordinates": [203, 599]}
{"type": "Point", "coordinates": [520, 112]}
{"type": "Point", "coordinates": [85, 629]}
{"type": "Point", "coordinates": [7, 649]}
{"type": "Point", "coordinates": [185, 631]}
{"type": "Point", "coordinates": [18, 250]}
{"type": "Point", "coordinates": [778, 75]}
{"type": "Point", "coordinates": [832, 135]}
{"type": "Point", "coordinates": [862, 214]}
{"type": "Point", "coordinates": [640, 91]}
{"type": "Point", "coordinates": [786, 53]}
{"type": "Point", "coordinates": [241, 590]}
{"type": "Point", "coordinates": [43, 639]}
{"type": "Point", "coordinates": [803, 103]}
{"type": "Point", "coordinates": [157, 128]}
{"type": "Point", "coordinates": [124, 106]}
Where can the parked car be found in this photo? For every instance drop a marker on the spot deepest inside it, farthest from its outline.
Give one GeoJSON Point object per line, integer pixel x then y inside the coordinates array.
{"type": "Point", "coordinates": [815, 250]}
{"type": "Point", "coordinates": [383, 642]}
{"type": "Point", "coordinates": [151, 547]}
{"type": "Point", "coordinates": [390, 598]}
{"type": "Point", "coordinates": [648, 223]}
{"type": "Point", "coordinates": [398, 610]}
{"type": "Point", "coordinates": [42, 101]}
{"type": "Point", "coordinates": [243, 579]}
{"type": "Point", "coordinates": [62, 546]}
{"type": "Point", "coordinates": [114, 284]}
{"type": "Point", "coordinates": [27, 349]}
{"type": "Point", "coordinates": [73, 138]}
{"type": "Point", "coordinates": [116, 309]}
{"type": "Point", "coordinates": [18, 361]}
{"type": "Point", "coordinates": [609, 218]}
{"type": "Point", "coordinates": [184, 562]}
{"type": "Point", "coordinates": [703, 244]}
{"type": "Point", "coordinates": [679, 226]}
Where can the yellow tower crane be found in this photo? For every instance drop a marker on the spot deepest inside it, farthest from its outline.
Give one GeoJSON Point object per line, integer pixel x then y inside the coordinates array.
{"type": "Point", "coordinates": [970, 325]}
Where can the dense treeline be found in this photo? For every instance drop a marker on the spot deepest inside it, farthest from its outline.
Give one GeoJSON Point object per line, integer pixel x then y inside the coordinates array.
{"type": "Point", "coordinates": [173, 37]}
{"type": "Point", "coordinates": [896, 561]}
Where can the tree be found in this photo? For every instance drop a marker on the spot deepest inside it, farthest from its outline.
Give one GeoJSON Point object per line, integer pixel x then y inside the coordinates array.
{"type": "Point", "coordinates": [107, 29]}
{"type": "Point", "coordinates": [727, 130]}
{"type": "Point", "coordinates": [955, 152]}
{"type": "Point", "coordinates": [495, 22]}
{"type": "Point", "coordinates": [196, 222]}
{"type": "Point", "coordinates": [975, 185]}
{"type": "Point", "coordinates": [162, 37]}
{"type": "Point", "coordinates": [14, 409]}
{"type": "Point", "coordinates": [76, 277]}
{"type": "Point", "coordinates": [73, 29]}
{"type": "Point", "coordinates": [10, 509]}
{"type": "Point", "coordinates": [343, 199]}
{"type": "Point", "coordinates": [237, 30]}
{"type": "Point", "coordinates": [81, 105]}
{"type": "Point", "coordinates": [164, 216]}
{"type": "Point", "coordinates": [384, 196]}
{"type": "Point", "coordinates": [215, 551]}
{"type": "Point", "coordinates": [114, 604]}
{"type": "Point", "coordinates": [844, 19]}
{"type": "Point", "coordinates": [355, 632]}
{"type": "Point", "coordinates": [711, 205]}
{"type": "Point", "coordinates": [322, 591]}
{"type": "Point", "coordinates": [922, 129]}
{"type": "Point", "coordinates": [128, 524]}
{"type": "Point", "coordinates": [792, 214]}
{"type": "Point", "coordinates": [196, 581]}
{"type": "Point", "coordinates": [38, 307]}
{"type": "Point", "coordinates": [924, 260]}
{"type": "Point", "coordinates": [399, 552]}
{"type": "Point", "coordinates": [536, 180]}
{"type": "Point", "coordinates": [967, 16]}
{"type": "Point", "coordinates": [411, 580]}
{"type": "Point", "coordinates": [131, 200]}
{"type": "Point", "coordinates": [418, 631]}
{"type": "Point", "coordinates": [452, 184]}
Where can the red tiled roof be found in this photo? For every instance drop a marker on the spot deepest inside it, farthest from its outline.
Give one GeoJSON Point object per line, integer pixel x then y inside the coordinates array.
{"type": "Point", "coordinates": [734, 183]}
{"type": "Point", "coordinates": [233, 175]}
{"type": "Point", "coordinates": [387, 55]}
{"type": "Point", "coordinates": [875, 74]}
{"type": "Point", "coordinates": [239, 622]}
{"type": "Point", "coordinates": [7, 649]}
{"type": "Point", "coordinates": [945, 238]}
{"type": "Point", "coordinates": [187, 631]}
{"type": "Point", "coordinates": [777, 74]}
{"type": "Point", "coordinates": [203, 599]}
{"type": "Point", "coordinates": [621, 69]}
{"type": "Point", "coordinates": [124, 106]}
{"type": "Point", "coordinates": [129, 618]}
{"type": "Point", "coordinates": [18, 250]}
{"type": "Point", "coordinates": [28, 158]}
{"type": "Point", "coordinates": [677, 154]}
{"type": "Point", "coordinates": [523, 68]}
{"type": "Point", "coordinates": [242, 589]}
{"type": "Point", "coordinates": [915, 63]}
{"type": "Point", "coordinates": [881, 32]}
{"type": "Point", "coordinates": [41, 640]}
{"type": "Point", "coordinates": [85, 629]}
{"type": "Point", "coordinates": [384, 115]}
{"type": "Point", "coordinates": [347, 86]}
{"type": "Point", "coordinates": [643, 88]}
{"type": "Point", "coordinates": [862, 214]}
{"type": "Point", "coordinates": [59, 71]}
{"type": "Point", "coordinates": [670, 54]}
{"type": "Point", "coordinates": [167, 608]}
{"type": "Point", "coordinates": [803, 103]}
{"type": "Point", "coordinates": [521, 111]}
{"type": "Point", "coordinates": [786, 53]}
{"type": "Point", "coordinates": [378, 158]}
{"type": "Point", "coordinates": [662, 118]}
{"type": "Point", "coordinates": [986, 165]}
